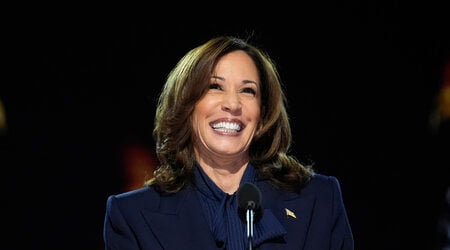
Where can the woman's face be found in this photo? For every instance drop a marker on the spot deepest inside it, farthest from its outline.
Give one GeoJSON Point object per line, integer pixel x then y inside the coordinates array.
{"type": "Point", "coordinates": [226, 118]}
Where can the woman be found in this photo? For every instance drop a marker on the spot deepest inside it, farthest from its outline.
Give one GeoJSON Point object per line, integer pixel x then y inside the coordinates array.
{"type": "Point", "coordinates": [221, 122]}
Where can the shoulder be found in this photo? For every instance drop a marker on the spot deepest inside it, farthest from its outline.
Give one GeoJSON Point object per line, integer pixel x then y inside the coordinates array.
{"type": "Point", "coordinates": [324, 187]}
{"type": "Point", "coordinates": [319, 186]}
{"type": "Point", "coordinates": [319, 181]}
{"type": "Point", "coordinates": [147, 198]}
{"type": "Point", "coordinates": [142, 197]}
{"type": "Point", "coordinates": [137, 193]}
{"type": "Point", "coordinates": [322, 183]}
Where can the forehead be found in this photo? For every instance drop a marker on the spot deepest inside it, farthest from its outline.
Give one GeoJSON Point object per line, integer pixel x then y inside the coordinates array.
{"type": "Point", "coordinates": [237, 62]}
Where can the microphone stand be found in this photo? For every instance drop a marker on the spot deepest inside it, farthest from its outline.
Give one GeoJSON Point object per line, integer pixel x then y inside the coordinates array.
{"type": "Point", "coordinates": [249, 218]}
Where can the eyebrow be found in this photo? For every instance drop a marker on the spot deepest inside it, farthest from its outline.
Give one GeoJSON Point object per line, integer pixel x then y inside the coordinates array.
{"type": "Point", "coordinates": [223, 79]}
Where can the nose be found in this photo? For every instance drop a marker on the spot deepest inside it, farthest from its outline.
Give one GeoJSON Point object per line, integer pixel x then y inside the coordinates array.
{"type": "Point", "coordinates": [232, 103]}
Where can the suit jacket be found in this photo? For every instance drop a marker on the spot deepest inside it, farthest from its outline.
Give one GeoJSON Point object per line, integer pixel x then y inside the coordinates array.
{"type": "Point", "coordinates": [146, 219]}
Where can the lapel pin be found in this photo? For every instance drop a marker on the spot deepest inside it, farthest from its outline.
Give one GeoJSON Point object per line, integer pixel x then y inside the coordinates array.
{"type": "Point", "coordinates": [289, 213]}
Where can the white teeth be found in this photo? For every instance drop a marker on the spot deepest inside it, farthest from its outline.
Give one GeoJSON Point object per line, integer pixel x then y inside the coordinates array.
{"type": "Point", "coordinates": [227, 126]}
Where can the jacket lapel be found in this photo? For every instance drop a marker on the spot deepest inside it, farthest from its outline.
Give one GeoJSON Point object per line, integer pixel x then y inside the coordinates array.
{"type": "Point", "coordinates": [179, 222]}
{"type": "Point", "coordinates": [293, 210]}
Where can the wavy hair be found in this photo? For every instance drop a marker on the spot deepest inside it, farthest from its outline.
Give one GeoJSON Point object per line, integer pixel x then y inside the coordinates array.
{"type": "Point", "coordinates": [187, 82]}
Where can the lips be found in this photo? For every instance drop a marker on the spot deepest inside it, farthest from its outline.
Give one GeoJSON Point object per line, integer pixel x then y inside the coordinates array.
{"type": "Point", "coordinates": [227, 126]}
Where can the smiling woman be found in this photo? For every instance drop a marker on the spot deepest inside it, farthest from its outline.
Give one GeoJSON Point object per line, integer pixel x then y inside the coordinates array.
{"type": "Point", "coordinates": [221, 123]}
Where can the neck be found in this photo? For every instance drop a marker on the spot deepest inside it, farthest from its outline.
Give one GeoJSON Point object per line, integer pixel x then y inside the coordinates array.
{"type": "Point", "coordinates": [226, 176]}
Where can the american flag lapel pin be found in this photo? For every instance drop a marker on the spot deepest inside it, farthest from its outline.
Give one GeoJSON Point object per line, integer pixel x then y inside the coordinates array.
{"type": "Point", "coordinates": [289, 213]}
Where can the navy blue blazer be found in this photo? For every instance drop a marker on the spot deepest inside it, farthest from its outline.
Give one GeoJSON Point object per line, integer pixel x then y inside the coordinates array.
{"type": "Point", "coordinates": [146, 219]}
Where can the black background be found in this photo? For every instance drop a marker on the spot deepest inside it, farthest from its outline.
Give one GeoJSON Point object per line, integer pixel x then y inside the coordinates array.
{"type": "Point", "coordinates": [361, 79]}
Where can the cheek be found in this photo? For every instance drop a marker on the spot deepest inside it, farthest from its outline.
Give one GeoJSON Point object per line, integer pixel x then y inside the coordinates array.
{"type": "Point", "coordinates": [253, 111]}
{"type": "Point", "coordinates": [205, 108]}
{"type": "Point", "coordinates": [199, 114]}
{"type": "Point", "coordinates": [203, 105]}
{"type": "Point", "coordinates": [196, 121]}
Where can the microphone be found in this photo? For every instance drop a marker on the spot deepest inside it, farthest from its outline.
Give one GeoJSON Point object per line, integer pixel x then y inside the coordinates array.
{"type": "Point", "coordinates": [250, 210]}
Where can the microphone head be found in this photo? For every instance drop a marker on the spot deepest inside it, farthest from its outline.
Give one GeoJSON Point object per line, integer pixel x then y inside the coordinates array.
{"type": "Point", "coordinates": [249, 197]}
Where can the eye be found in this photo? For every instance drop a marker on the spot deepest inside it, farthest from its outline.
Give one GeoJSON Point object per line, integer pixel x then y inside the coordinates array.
{"type": "Point", "coordinates": [249, 91]}
{"type": "Point", "coordinates": [215, 86]}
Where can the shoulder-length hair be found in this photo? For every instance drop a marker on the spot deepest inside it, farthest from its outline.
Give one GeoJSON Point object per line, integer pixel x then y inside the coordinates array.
{"type": "Point", "coordinates": [187, 83]}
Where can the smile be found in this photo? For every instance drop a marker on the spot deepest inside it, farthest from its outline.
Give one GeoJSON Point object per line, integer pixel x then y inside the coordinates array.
{"type": "Point", "coordinates": [227, 127]}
